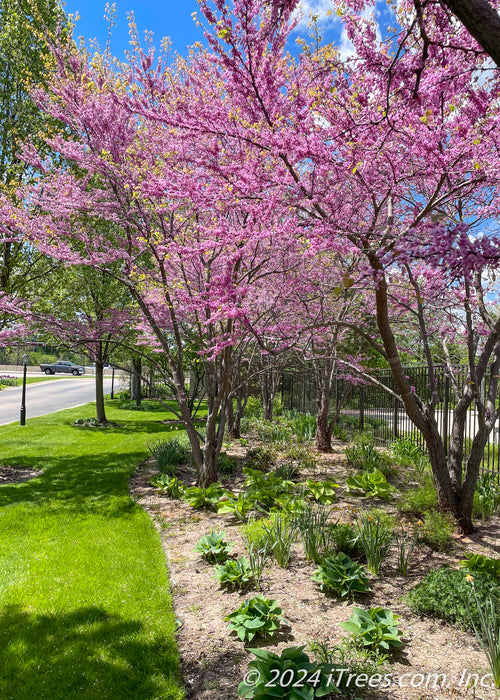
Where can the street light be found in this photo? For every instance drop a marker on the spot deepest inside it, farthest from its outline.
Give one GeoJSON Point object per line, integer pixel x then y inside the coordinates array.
{"type": "Point", "coordinates": [22, 418]}
{"type": "Point", "coordinates": [112, 381]}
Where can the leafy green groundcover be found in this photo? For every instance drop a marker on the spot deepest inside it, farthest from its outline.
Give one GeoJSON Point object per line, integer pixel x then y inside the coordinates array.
{"type": "Point", "coordinates": [85, 608]}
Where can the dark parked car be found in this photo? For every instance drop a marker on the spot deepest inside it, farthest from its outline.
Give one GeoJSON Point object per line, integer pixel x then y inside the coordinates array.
{"type": "Point", "coordinates": [63, 366]}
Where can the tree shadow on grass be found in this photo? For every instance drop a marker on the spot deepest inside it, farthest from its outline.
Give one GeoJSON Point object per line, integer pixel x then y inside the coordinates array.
{"type": "Point", "coordinates": [89, 480]}
{"type": "Point", "coordinates": [87, 653]}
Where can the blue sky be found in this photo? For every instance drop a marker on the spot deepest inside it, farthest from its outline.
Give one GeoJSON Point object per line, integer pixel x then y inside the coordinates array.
{"type": "Point", "coordinates": [163, 17]}
{"type": "Point", "coordinates": [173, 18]}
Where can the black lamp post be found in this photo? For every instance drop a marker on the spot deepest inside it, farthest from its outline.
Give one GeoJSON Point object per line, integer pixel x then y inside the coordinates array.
{"type": "Point", "coordinates": [112, 381]}
{"type": "Point", "coordinates": [22, 417]}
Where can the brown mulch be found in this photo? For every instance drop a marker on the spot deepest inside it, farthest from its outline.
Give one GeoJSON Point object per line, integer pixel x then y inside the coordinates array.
{"type": "Point", "coordinates": [14, 475]}
{"type": "Point", "coordinates": [214, 661]}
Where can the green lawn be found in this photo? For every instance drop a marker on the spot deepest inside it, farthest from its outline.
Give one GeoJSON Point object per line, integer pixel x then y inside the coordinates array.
{"type": "Point", "coordinates": [85, 608]}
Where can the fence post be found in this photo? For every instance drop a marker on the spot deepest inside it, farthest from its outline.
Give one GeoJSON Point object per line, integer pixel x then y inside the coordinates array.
{"type": "Point", "coordinates": [446, 408]}
{"type": "Point", "coordinates": [361, 408]}
{"type": "Point", "coordinates": [395, 417]}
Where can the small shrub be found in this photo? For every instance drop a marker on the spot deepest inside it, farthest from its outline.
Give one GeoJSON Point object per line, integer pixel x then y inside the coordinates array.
{"type": "Point", "coordinates": [344, 538]}
{"type": "Point", "coordinates": [261, 458]}
{"type": "Point", "coordinates": [375, 539]}
{"type": "Point", "coordinates": [168, 454]}
{"type": "Point", "coordinates": [486, 496]}
{"type": "Point", "coordinates": [234, 574]}
{"type": "Point", "coordinates": [254, 533]}
{"type": "Point", "coordinates": [301, 457]}
{"type": "Point", "coordinates": [374, 628]}
{"type": "Point", "coordinates": [258, 617]}
{"type": "Point", "coordinates": [213, 548]}
{"type": "Point", "coordinates": [482, 564]}
{"type": "Point", "coordinates": [279, 676]}
{"type": "Point", "coordinates": [227, 464]}
{"type": "Point", "coordinates": [372, 484]}
{"type": "Point", "coordinates": [277, 433]}
{"type": "Point", "coordinates": [417, 501]}
{"type": "Point", "coordinates": [342, 576]}
{"type": "Point", "coordinates": [437, 530]}
{"type": "Point", "coordinates": [445, 593]}
{"type": "Point", "coordinates": [253, 408]}
{"type": "Point", "coordinates": [6, 380]}
{"type": "Point", "coordinates": [170, 485]}
{"type": "Point", "coordinates": [200, 498]}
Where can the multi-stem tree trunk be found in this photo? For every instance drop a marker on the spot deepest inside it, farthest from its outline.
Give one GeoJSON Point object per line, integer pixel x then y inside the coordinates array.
{"type": "Point", "coordinates": [455, 489]}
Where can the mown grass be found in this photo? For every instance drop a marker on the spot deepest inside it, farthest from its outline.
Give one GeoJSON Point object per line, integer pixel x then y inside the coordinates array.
{"type": "Point", "coordinates": [85, 608]}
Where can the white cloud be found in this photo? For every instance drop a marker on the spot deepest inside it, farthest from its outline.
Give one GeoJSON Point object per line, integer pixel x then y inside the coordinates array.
{"type": "Point", "coordinates": [346, 47]}
{"type": "Point", "coordinates": [320, 8]}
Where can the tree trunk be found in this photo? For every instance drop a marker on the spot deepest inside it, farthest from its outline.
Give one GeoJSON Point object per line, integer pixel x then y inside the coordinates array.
{"type": "Point", "coordinates": [135, 380]}
{"type": "Point", "coordinates": [230, 417]}
{"type": "Point", "coordinates": [99, 392]}
{"type": "Point", "coordinates": [482, 21]}
{"type": "Point", "coordinates": [241, 404]}
{"type": "Point", "coordinates": [266, 395]}
{"type": "Point", "coordinates": [323, 434]}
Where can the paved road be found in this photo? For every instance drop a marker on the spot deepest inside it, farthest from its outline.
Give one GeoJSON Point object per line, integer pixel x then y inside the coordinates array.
{"type": "Point", "coordinates": [48, 397]}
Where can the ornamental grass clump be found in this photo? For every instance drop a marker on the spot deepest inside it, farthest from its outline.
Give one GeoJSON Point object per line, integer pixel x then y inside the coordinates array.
{"type": "Point", "coordinates": [375, 538]}
{"type": "Point", "coordinates": [486, 625]}
{"type": "Point", "coordinates": [315, 532]}
{"type": "Point", "coordinates": [281, 531]}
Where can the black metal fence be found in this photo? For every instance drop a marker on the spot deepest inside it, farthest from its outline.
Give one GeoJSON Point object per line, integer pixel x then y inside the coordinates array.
{"type": "Point", "coordinates": [371, 406]}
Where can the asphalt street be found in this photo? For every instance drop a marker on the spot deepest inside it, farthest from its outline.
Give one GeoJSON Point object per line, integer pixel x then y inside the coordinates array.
{"type": "Point", "coordinates": [48, 397]}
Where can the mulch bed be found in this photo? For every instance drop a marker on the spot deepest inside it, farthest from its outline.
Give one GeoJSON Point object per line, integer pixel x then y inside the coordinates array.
{"type": "Point", "coordinates": [214, 661]}
{"type": "Point", "coordinates": [14, 475]}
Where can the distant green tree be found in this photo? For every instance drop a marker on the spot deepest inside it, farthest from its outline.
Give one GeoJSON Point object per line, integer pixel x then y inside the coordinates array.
{"type": "Point", "coordinates": [27, 27]}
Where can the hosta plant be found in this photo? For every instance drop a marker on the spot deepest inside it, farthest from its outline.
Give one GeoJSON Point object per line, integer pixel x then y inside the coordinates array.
{"type": "Point", "coordinates": [207, 498]}
{"type": "Point", "coordinates": [213, 548]}
{"type": "Point", "coordinates": [238, 506]}
{"type": "Point", "coordinates": [321, 491]}
{"type": "Point", "coordinates": [234, 573]}
{"type": "Point", "coordinates": [482, 563]}
{"type": "Point", "coordinates": [291, 675]}
{"type": "Point", "coordinates": [372, 484]}
{"type": "Point", "coordinates": [265, 488]}
{"type": "Point", "coordinates": [342, 576]}
{"type": "Point", "coordinates": [257, 617]}
{"type": "Point", "coordinates": [374, 628]}
{"type": "Point", "coordinates": [170, 485]}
